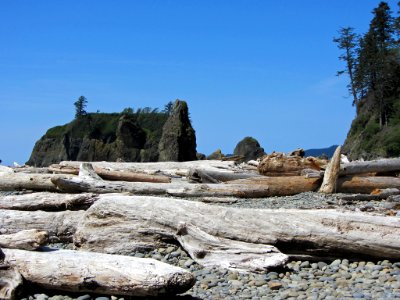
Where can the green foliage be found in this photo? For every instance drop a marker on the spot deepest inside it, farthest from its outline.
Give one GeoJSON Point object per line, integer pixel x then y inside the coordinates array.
{"type": "Point", "coordinates": [56, 132]}
{"type": "Point", "coordinates": [168, 108]}
{"type": "Point", "coordinates": [128, 111]}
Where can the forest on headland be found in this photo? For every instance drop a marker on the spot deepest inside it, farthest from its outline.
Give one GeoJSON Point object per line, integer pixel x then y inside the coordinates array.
{"type": "Point", "coordinates": [372, 63]}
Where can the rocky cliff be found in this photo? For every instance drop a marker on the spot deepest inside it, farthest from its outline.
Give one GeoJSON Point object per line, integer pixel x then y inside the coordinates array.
{"type": "Point", "coordinates": [367, 139]}
{"type": "Point", "coordinates": [124, 137]}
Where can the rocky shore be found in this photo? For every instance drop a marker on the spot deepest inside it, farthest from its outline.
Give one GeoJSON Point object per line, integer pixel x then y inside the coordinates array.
{"type": "Point", "coordinates": [330, 279]}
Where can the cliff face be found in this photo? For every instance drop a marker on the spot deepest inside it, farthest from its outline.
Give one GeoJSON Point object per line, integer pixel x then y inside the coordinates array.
{"type": "Point", "coordinates": [367, 139]}
{"type": "Point", "coordinates": [111, 137]}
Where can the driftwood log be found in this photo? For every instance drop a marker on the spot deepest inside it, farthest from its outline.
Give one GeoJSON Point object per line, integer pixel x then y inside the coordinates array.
{"type": "Point", "coordinates": [168, 168]}
{"type": "Point", "coordinates": [25, 239]}
{"type": "Point", "coordinates": [59, 225]}
{"type": "Point", "coordinates": [120, 175]}
{"type": "Point", "coordinates": [135, 222]}
{"type": "Point", "coordinates": [77, 271]}
{"type": "Point", "coordinates": [373, 166]}
{"type": "Point", "coordinates": [328, 185]}
{"type": "Point", "coordinates": [89, 181]}
{"type": "Point", "coordinates": [278, 164]}
{"type": "Point", "coordinates": [365, 185]}
{"type": "Point", "coordinates": [47, 201]}
{"type": "Point", "coordinates": [22, 181]}
{"type": "Point", "coordinates": [211, 176]}
{"type": "Point", "coordinates": [375, 195]}
{"type": "Point", "coordinates": [282, 186]}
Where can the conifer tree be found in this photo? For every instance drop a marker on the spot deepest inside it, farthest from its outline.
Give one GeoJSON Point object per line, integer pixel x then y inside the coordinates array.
{"type": "Point", "coordinates": [80, 106]}
{"type": "Point", "coordinates": [347, 41]}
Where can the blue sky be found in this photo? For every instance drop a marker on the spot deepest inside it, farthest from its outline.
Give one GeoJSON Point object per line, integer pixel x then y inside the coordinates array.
{"type": "Point", "coordinates": [247, 68]}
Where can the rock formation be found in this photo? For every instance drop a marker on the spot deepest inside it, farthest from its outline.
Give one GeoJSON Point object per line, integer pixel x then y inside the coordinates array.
{"type": "Point", "coordinates": [126, 137]}
{"type": "Point", "coordinates": [178, 140]}
{"type": "Point", "coordinates": [249, 148]}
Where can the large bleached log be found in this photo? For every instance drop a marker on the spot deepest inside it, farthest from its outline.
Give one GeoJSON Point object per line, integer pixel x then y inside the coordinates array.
{"type": "Point", "coordinates": [365, 185]}
{"type": "Point", "coordinates": [169, 168]}
{"type": "Point", "coordinates": [282, 186]}
{"type": "Point", "coordinates": [178, 189]}
{"type": "Point", "coordinates": [59, 225]}
{"type": "Point", "coordinates": [328, 185]}
{"type": "Point", "coordinates": [278, 164]}
{"type": "Point", "coordinates": [77, 271]}
{"type": "Point", "coordinates": [47, 201]}
{"type": "Point", "coordinates": [373, 166]}
{"type": "Point", "coordinates": [25, 239]}
{"type": "Point", "coordinates": [211, 176]}
{"type": "Point", "coordinates": [121, 175]}
{"type": "Point", "coordinates": [134, 222]}
{"type": "Point", "coordinates": [21, 181]}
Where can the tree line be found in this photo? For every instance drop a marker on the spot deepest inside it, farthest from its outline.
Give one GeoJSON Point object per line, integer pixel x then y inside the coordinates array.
{"type": "Point", "coordinates": [373, 61]}
{"type": "Point", "coordinates": [81, 104]}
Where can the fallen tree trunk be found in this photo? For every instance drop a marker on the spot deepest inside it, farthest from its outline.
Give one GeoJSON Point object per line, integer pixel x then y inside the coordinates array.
{"type": "Point", "coordinates": [328, 185]}
{"type": "Point", "coordinates": [365, 185]}
{"type": "Point", "coordinates": [47, 201]}
{"type": "Point", "coordinates": [168, 168]}
{"type": "Point", "coordinates": [21, 181]}
{"type": "Point", "coordinates": [282, 186]}
{"type": "Point", "coordinates": [59, 225]}
{"type": "Point", "coordinates": [182, 189]}
{"type": "Point", "coordinates": [376, 195]}
{"type": "Point", "coordinates": [122, 175]}
{"type": "Point", "coordinates": [373, 166]}
{"type": "Point", "coordinates": [211, 176]}
{"type": "Point", "coordinates": [135, 222]}
{"type": "Point", "coordinates": [26, 239]}
{"type": "Point", "coordinates": [76, 271]}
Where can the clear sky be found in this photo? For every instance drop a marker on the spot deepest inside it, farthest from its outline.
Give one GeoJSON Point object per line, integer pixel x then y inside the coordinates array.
{"type": "Point", "coordinates": [246, 68]}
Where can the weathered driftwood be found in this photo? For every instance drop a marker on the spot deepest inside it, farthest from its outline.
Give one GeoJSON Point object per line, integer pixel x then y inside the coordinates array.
{"type": "Point", "coordinates": [209, 250]}
{"type": "Point", "coordinates": [376, 195]}
{"type": "Point", "coordinates": [10, 281]}
{"type": "Point", "coordinates": [182, 189]}
{"type": "Point", "coordinates": [328, 185]}
{"type": "Point", "coordinates": [77, 271]}
{"type": "Point", "coordinates": [168, 168]}
{"type": "Point", "coordinates": [47, 201]}
{"type": "Point", "coordinates": [59, 225]}
{"type": "Point", "coordinates": [282, 186]}
{"type": "Point", "coordinates": [25, 239]}
{"type": "Point", "coordinates": [261, 186]}
{"type": "Point", "coordinates": [365, 185]}
{"type": "Point", "coordinates": [4, 169]}
{"type": "Point", "coordinates": [373, 166]}
{"type": "Point", "coordinates": [21, 181]}
{"type": "Point", "coordinates": [278, 164]}
{"type": "Point", "coordinates": [211, 176]}
{"type": "Point", "coordinates": [122, 175]}
{"type": "Point", "coordinates": [134, 222]}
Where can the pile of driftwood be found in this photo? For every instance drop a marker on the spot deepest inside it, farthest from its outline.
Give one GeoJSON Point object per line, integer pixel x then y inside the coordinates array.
{"type": "Point", "coordinates": [108, 210]}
